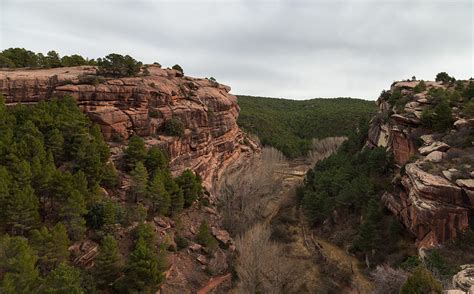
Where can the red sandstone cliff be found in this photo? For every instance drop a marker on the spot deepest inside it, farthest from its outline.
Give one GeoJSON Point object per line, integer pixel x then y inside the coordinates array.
{"type": "Point", "coordinates": [434, 190]}
{"type": "Point", "coordinates": [142, 105]}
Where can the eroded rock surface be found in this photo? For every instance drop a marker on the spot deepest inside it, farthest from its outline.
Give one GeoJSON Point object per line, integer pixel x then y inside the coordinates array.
{"type": "Point", "coordinates": [142, 105]}
{"type": "Point", "coordinates": [434, 194]}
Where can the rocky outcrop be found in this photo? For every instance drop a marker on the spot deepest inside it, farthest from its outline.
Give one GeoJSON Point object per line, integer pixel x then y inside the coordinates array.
{"type": "Point", "coordinates": [433, 193]}
{"type": "Point", "coordinates": [142, 106]}
{"type": "Point", "coordinates": [464, 279]}
{"type": "Point", "coordinates": [431, 207]}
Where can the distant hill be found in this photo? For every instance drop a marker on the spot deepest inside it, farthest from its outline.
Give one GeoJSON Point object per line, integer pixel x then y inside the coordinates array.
{"type": "Point", "coordinates": [290, 125]}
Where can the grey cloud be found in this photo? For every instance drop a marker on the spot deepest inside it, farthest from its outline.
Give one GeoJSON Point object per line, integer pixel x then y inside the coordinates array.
{"type": "Point", "coordinates": [294, 49]}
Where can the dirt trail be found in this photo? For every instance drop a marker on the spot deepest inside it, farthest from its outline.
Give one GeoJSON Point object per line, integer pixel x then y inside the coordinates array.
{"type": "Point", "coordinates": [307, 245]}
{"type": "Point", "coordinates": [214, 283]}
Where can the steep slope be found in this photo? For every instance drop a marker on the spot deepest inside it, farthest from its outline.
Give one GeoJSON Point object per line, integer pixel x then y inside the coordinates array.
{"type": "Point", "coordinates": [147, 106]}
{"type": "Point", "coordinates": [428, 128]}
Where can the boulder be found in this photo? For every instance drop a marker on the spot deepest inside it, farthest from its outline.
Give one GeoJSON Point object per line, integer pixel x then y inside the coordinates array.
{"type": "Point", "coordinates": [464, 279]}
{"type": "Point", "coordinates": [435, 146]}
{"type": "Point", "coordinates": [202, 259]}
{"type": "Point", "coordinates": [222, 235]}
{"type": "Point", "coordinates": [435, 156]}
{"type": "Point", "coordinates": [463, 123]}
{"type": "Point", "coordinates": [467, 183]}
{"type": "Point", "coordinates": [450, 173]}
{"type": "Point", "coordinates": [195, 247]}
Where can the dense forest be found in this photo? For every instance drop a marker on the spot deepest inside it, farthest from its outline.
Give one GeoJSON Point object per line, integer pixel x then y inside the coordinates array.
{"type": "Point", "coordinates": [290, 125]}
{"type": "Point", "coordinates": [56, 178]}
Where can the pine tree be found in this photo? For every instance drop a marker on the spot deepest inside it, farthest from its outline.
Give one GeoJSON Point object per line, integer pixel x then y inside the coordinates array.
{"type": "Point", "coordinates": [4, 191]}
{"type": "Point", "coordinates": [17, 261]}
{"type": "Point", "coordinates": [156, 160]}
{"type": "Point", "coordinates": [135, 152]}
{"type": "Point", "coordinates": [158, 195]}
{"type": "Point", "coordinates": [139, 181]}
{"type": "Point", "coordinates": [191, 186]}
{"type": "Point", "coordinates": [72, 212]}
{"type": "Point", "coordinates": [63, 279]}
{"type": "Point", "coordinates": [176, 194]}
{"type": "Point", "coordinates": [109, 176]}
{"type": "Point", "coordinates": [367, 238]}
{"type": "Point", "coordinates": [51, 246]}
{"type": "Point", "coordinates": [204, 236]}
{"type": "Point", "coordinates": [55, 143]}
{"type": "Point", "coordinates": [21, 210]}
{"type": "Point", "coordinates": [108, 263]}
{"type": "Point", "coordinates": [143, 271]}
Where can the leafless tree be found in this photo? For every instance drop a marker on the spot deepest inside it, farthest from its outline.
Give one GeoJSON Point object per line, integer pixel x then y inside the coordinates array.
{"type": "Point", "coordinates": [262, 266]}
{"type": "Point", "coordinates": [245, 190]}
{"type": "Point", "coordinates": [388, 280]}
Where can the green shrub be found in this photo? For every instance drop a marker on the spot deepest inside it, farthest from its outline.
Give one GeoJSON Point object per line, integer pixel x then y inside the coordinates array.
{"type": "Point", "coordinates": [444, 78]}
{"type": "Point", "coordinates": [178, 68]}
{"type": "Point", "coordinates": [469, 109]}
{"type": "Point", "coordinates": [153, 113]}
{"type": "Point", "coordinates": [438, 118]}
{"type": "Point", "coordinates": [181, 242]}
{"type": "Point", "coordinates": [205, 238]}
{"type": "Point", "coordinates": [420, 87]}
{"type": "Point", "coordinates": [421, 282]}
{"type": "Point", "coordinates": [174, 127]}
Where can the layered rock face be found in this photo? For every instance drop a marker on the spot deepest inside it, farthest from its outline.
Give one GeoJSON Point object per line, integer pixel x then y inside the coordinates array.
{"type": "Point", "coordinates": [433, 192]}
{"type": "Point", "coordinates": [142, 106]}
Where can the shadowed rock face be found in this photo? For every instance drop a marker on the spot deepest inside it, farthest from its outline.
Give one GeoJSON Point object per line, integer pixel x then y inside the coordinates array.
{"type": "Point", "coordinates": [431, 197]}
{"type": "Point", "coordinates": [141, 106]}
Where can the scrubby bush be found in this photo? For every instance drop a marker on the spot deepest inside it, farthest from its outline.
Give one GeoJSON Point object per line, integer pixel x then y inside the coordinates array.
{"type": "Point", "coordinates": [178, 68]}
{"type": "Point", "coordinates": [420, 87]}
{"type": "Point", "coordinates": [420, 282]}
{"type": "Point", "coordinates": [174, 127]}
{"type": "Point", "coordinates": [438, 118]}
{"type": "Point", "coordinates": [181, 242]}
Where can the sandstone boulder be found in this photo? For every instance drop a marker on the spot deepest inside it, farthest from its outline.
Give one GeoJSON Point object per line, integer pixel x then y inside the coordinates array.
{"type": "Point", "coordinates": [430, 206]}
{"type": "Point", "coordinates": [435, 156]}
{"type": "Point", "coordinates": [435, 146]}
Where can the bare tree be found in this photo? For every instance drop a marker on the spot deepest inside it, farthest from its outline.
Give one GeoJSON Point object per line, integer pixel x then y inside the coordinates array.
{"type": "Point", "coordinates": [262, 266]}
{"type": "Point", "coordinates": [388, 280]}
{"type": "Point", "coordinates": [245, 190]}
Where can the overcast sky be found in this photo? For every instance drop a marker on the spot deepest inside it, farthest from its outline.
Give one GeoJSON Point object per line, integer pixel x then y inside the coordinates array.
{"type": "Point", "coordinates": [291, 49]}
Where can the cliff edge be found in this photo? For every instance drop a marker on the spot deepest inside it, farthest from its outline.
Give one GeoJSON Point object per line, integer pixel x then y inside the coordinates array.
{"type": "Point", "coordinates": [429, 130]}
{"type": "Point", "coordinates": [202, 110]}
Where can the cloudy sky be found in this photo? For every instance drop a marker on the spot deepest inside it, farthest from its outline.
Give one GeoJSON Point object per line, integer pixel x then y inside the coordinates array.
{"type": "Point", "coordinates": [293, 49]}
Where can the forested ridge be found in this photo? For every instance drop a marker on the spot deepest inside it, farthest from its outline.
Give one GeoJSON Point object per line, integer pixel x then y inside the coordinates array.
{"type": "Point", "coordinates": [290, 125]}
{"type": "Point", "coordinates": [56, 189]}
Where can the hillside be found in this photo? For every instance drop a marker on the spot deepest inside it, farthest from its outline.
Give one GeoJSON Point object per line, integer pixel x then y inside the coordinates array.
{"type": "Point", "coordinates": [290, 125]}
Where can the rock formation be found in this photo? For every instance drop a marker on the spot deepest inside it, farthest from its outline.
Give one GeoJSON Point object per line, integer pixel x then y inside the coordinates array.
{"type": "Point", "coordinates": [142, 106]}
{"type": "Point", "coordinates": [433, 194]}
